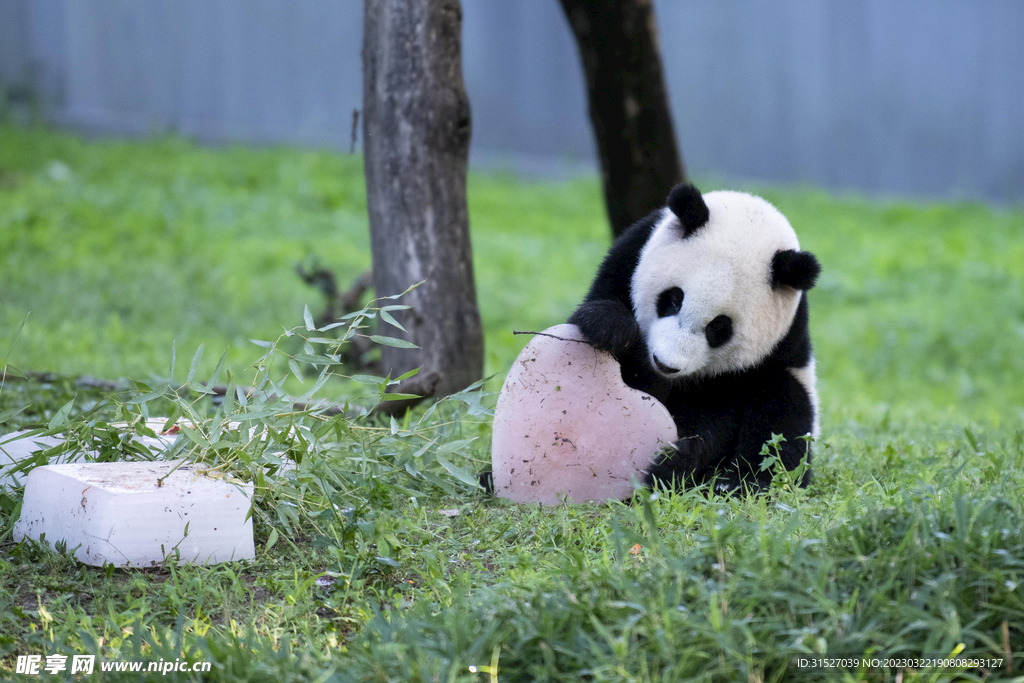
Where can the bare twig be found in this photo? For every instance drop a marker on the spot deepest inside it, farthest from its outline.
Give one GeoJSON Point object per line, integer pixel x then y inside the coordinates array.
{"type": "Point", "coordinates": [355, 128]}
{"type": "Point", "coordinates": [553, 336]}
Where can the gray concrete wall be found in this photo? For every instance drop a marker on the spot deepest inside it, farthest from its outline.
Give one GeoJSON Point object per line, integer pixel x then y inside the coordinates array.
{"type": "Point", "coordinates": [907, 96]}
{"type": "Point", "coordinates": [914, 97]}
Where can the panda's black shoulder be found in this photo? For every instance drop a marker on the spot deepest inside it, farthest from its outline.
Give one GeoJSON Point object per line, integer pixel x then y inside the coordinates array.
{"type": "Point", "coordinates": [794, 349]}
{"type": "Point", "coordinates": [615, 275]}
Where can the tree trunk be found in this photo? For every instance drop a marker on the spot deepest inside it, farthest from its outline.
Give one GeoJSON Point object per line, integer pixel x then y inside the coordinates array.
{"type": "Point", "coordinates": [416, 127]}
{"type": "Point", "coordinates": [629, 110]}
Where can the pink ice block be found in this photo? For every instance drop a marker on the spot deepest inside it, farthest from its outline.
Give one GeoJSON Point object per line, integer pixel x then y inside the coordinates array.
{"type": "Point", "coordinates": [567, 428]}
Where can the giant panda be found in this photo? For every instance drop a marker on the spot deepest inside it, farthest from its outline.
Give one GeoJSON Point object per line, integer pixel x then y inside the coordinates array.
{"type": "Point", "coordinates": [704, 305]}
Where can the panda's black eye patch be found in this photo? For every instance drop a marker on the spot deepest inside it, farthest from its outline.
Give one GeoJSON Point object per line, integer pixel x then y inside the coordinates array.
{"type": "Point", "coordinates": [718, 331]}
{"type": "Point", "coordinates": [669, 302]}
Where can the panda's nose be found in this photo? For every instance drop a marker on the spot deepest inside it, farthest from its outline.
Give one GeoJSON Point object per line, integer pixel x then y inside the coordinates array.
{"type": "Point", "coordinates": [664, 368]}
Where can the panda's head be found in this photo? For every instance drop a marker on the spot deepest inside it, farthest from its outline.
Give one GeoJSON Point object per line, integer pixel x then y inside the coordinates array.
{"type": "Point", "coordinates": [718, 283]}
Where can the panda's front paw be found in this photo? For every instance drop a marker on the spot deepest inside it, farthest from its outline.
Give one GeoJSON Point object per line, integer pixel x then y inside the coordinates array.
{"type": "Point", "coordinates": [680, 465]}
{"type": "Point", "coordinates": [617, 340]}
{"type": "Point", "coordinates": [726, 484]}
{"type": "Point", "coordinates": [607, 325]}
{"type": "Point", "coordinates": [728, 479]}
{"type": "Point", "coordinates": [691, 454]}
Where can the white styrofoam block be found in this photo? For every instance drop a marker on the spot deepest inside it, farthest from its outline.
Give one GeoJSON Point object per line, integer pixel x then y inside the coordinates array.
{"type": "Point", "coordinates": [15, 448]}
{"type": "Point", "coordinates": [118, 513]}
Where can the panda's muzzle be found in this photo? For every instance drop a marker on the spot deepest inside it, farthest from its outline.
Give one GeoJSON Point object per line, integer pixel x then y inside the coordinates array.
{"type": "Point", "coordinates": [662, 367]}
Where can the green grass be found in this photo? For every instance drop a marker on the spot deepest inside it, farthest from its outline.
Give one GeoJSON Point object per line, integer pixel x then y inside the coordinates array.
{"type": "Point", "coordinates": [909, 541]}
{"type": "Point", "coordinates": [114, 252]}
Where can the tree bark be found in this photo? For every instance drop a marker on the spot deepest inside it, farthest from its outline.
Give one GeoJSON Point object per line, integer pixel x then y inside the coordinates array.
{"type": "Point", "coordinates": [628, 101]}
{"type": "Point", "coordinates": [416, 128]}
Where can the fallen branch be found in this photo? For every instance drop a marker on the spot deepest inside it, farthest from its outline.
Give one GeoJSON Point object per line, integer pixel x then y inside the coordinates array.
{"type": "Point", "coordinates": [7, 375]}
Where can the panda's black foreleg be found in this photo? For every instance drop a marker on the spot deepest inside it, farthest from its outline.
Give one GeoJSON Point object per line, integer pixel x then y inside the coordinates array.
{"type": "Point", "coordinates": [486, 482]}
{"type": "Point", "coordinates": [785, 410]}
{"type": "Point", "coordinates": [607, 324]}
{"type": "Point", "coordinates": [746, 474]}
{"type": "Point", "coordinates": [685, 464]}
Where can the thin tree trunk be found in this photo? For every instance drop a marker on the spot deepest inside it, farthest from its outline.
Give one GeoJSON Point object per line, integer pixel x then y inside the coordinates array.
{"type": "Point", "coordinates": [629, 109]}
{"type": "Point", "coordinates": [416, 128]}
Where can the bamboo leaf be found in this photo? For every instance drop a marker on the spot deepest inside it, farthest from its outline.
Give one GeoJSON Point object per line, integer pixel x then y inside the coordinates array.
{"type": "Point", "coordinates": [392, 341]}
{"type": "Point", "coordinates": [61, 418]}
{"type": "Point", "coordinates": [16, 336]}
{"type": "Point", "coordinates": [386, 317]}
{"type": "Point", "coordinates": [459, 473]}
{"type": "Point", "coordinates": [400, 397]}
{"type": "Point", "coordinates": [8, 414]}
{"type": "Point", "coordinates": [407, 375]}
{"type": "Point", "coordinates": [321, 380]}
{"type": "Point", "coordinates": [453, 446]}
{"type": "Point", "coordinates": [174, 356]}
{"type": "Point", "coordinates": [195, 436]}
{"type": "Point", "coordinates": [440, 483]}
{"type": "Point", "coordinates": [156, 393]}
{"type": "Point", "coordinates": [296, 370]}
{"type": "Point", "coordinates": [195, 363]}
{"type": "Point", "coordinates": [315, 360]}
{"type": "Point", "coordinates": [399, 296]}
{"type": "Point", "coordinates": [217, 370]}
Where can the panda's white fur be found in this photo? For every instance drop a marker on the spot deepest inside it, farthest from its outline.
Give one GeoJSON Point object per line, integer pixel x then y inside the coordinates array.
{"type": "Point", "coordinates": [726, 273]}
{"type": "Point", "coordinates": [808, 380]}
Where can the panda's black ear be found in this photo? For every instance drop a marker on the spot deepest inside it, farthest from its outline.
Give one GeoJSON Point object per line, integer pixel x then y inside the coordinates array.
{"type": "Point", "coordinates": [687, 203]}
{"type": "Point", "coordinates": [797, 269]}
